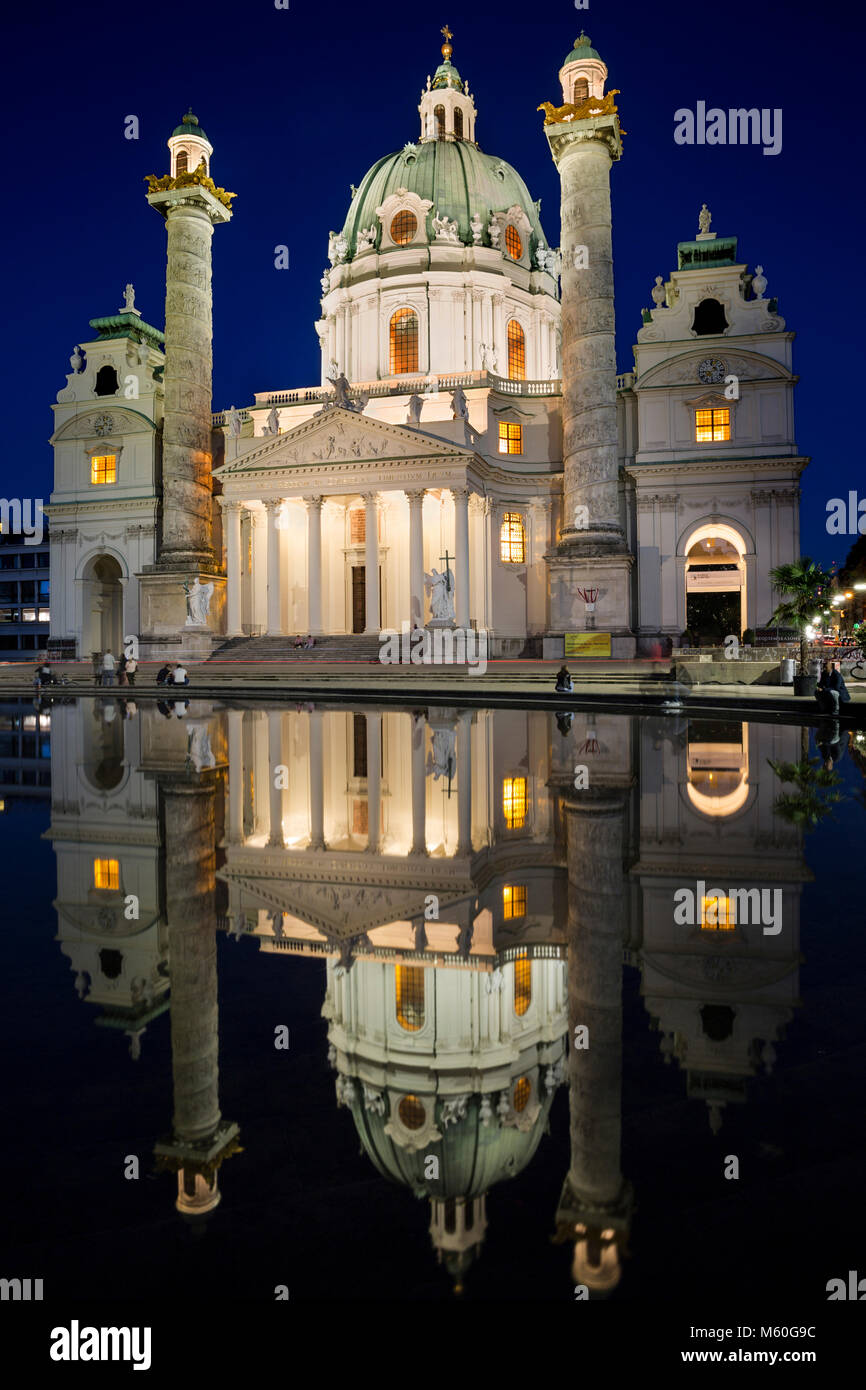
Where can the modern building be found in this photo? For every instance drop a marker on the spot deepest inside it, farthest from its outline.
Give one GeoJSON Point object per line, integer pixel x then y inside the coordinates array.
{"type": "Point", "coordinates": [24, 596]}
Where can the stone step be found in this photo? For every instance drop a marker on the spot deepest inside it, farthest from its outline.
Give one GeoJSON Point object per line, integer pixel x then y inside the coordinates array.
{"type": "Point", "coordinates": [341, 648]}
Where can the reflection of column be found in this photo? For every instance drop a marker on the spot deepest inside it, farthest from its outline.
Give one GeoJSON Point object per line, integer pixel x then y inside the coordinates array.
{"type": "Point", "coordinates": [236, 775]}
{"type": "Point", "coordinates": [275, 760]}
{"type": "Point", "coordinates": [232, 514]}
{"type": "Point", "coordinates": [317, 780]}
{"type": "Point", "coordinates": [371, 563]}
{"type": "Point", "coordinates": [595, 1196]}
{"type": "Point", "coordinates": [273, 506]}
{"type": "Point", "coordinates": [260, 569]}
{"type": "Point", "coordinates": [374, 781]}
{"type": "Point", "coordinates": [461, 546]}
{"type": "Point", "coordinates": [416, 557]}
{"type": "Point", "coordinates": [419, 789]}
{"type": "Point", "coordinates": [314, 564]}
{"type": "Point", "coordinates": [464, 783]}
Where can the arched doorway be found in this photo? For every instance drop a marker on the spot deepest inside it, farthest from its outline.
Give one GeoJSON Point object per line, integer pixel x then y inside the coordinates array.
{"type": "Point", "coordinates": [102, 626]}
{"type": "Point", "coordinates": [715, 579]}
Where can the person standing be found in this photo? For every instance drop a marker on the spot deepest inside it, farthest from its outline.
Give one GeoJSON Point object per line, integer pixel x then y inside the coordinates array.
{"type": "Point", "coordinates": [108, 667]}
{"type": "Point", "coordinates": [131, 668]}
{"type": "Point", "coordinates": [121, 670]}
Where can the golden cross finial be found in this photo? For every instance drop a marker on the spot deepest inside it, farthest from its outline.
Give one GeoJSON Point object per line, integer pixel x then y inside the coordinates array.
{"type": "Point", "coordinates": [446, 34]}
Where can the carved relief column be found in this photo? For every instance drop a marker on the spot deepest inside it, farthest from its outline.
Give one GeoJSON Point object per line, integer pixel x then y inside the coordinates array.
{"type": "Point", "coordinates": [374, 781]}
{"type": "Point", "coordinates": [371, 563]}
{"type": "Point", "coordinates": [461, 547]}
{"type": "Point", "coordinates": [273, 507]}
{"type": "Point", "coordinates": [416, 557]}
{"type": "Point", "coordinates": [314, 565]}
{"type": "Point", "coordinates": [232, 513]}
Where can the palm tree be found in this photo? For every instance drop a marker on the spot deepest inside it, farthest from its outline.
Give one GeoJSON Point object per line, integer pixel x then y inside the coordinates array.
{"type": "Point", "coordinates": [805, 582]}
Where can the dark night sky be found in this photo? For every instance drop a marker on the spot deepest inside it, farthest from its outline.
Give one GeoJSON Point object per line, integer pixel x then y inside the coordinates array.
{"type": "Point", "coordinates": [299, 103]}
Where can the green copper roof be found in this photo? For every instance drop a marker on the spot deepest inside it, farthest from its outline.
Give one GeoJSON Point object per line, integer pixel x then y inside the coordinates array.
{"type": "Point", "coordinates": [447, 76]}
{"type": "Point", "coordinates": [455, 176]}
{"type": "Point", "coordinates": [582, 49]}
{"type": "Point", "coordinates": [128, 326]}
{"type": "Point", "coordinates": [189, 126]}
{"type": "Point", "coordinates": [720, 251]}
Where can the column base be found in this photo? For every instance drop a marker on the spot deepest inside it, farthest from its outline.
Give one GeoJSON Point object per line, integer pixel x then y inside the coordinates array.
{"type": "Point", "coordinates": [571, 574]}
{"type": "Point", "coordinates": [165, 627]}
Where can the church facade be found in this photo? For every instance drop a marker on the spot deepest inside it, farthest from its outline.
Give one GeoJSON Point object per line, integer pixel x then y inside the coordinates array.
{"type": "Point", "coordinates": [469, 456]}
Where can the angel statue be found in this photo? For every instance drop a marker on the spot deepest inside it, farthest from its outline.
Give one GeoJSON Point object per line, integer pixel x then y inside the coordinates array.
{"type": "Point", "coordinates": [440, 587]}
{"type": "Point", "coordinates": [198, 597]}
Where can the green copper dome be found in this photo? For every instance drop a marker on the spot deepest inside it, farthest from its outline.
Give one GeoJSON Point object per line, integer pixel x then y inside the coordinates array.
{"type": "Point", "coordinates": [447, 76]}
{"type": "Point", "coordinates": [457, 179]}
{"type": "Point", "coordinates": [582, 49]}
{"type": "Point", "coordinates": [189, 126]}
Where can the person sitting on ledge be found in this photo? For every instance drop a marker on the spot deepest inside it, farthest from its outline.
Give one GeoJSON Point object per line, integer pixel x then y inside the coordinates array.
{"type": "Point", "coordinates": [310, 641]}
{"type": "Point", "coordinates": [163, 674]}
{"type": "Point", "coordinates": [298, 642]}
{"type": "Point", "coordinates": [831, 689]}
{"type": "Point", "coordinates": [179, 675]}
{"type": "Point", "coordinates": [563, 681]}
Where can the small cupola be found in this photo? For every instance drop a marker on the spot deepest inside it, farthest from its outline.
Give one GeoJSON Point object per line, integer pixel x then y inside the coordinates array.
{"type": "Point", "coordinates": [188, 146]}
{"type": "Point", "coordinates": [447, 110]}
{"type": "Point", "coordinates": [583, 74]}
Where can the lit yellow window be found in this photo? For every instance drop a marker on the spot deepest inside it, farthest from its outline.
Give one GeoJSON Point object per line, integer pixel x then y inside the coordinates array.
{"type": "Point", "coordinates": [513, 244]}
{"type": "Point", "coordinates": [514, 802]}
{"type": "Point", "coordinates": [404, 341]}
{"type": "Point", "coordinates": [510, 438]}
{"type": "Point", "coordinates": [103, 468]}
{"type": "Point", "coordinates": [522, 984]}
{"type": "Point", "coordinates": [516, 351]}
{"type": "Point", "coordinates": [514, 900]}
{"type": "Point", "coordinates": [106, 873]}
{"type": "Point", "coordinates": [403, 227]}
{"type": "Point", "coordinates": [409, 981]}
{"type": "Point", "coordinates": [712, 426]}
{"type": "Point", "coordinates": [521, 1094]}
{"type": "Point", "coordinates": [717, 914]}
{"type": "Point", "coordinates": [411, 1112]}
{"type": "Point", "coordinates": [512, 539]}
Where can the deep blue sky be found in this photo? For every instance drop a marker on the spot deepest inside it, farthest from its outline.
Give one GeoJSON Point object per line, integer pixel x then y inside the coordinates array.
{"type": "Point", "coordinates": [299, 103]}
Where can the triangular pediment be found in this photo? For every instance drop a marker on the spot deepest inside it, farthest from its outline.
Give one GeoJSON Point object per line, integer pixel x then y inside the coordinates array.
{"type": "Point", "coordinates": [340, 911]}
{"type": "Point", "coordinates": [339, 436]}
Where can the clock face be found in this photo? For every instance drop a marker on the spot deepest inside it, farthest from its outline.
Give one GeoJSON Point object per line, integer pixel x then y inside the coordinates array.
{"type": "Point", "coordinates": [711, 371]}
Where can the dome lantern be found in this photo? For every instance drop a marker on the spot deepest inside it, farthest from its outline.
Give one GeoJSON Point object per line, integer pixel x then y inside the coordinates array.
{"type": "Point", "coordinates": [583, 73]}
{"type": "Point", "coordinates": [189, 146]}
{"type": "Point", "coordinates": [447, 111]}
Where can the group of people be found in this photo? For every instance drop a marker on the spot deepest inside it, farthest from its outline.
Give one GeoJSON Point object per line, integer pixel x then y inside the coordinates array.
{"type": "Point", "coordinates": [172, 673]}
{"type": "Point", "coordinates": [305, 642]}
{"type": "Point", "coordinates": [109, 666]}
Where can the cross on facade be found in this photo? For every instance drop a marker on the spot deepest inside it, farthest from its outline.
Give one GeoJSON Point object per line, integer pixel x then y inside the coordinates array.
{"type": "Point", "coordinates": [446, 560]}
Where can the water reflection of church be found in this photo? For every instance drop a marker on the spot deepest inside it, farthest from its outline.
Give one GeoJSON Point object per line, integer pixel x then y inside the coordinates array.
{"type": "Point", "coordinates": [472, 909]}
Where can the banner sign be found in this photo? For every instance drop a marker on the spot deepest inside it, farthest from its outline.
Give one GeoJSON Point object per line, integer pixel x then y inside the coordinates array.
{"type": "Point", "coordinates": [587, 644]}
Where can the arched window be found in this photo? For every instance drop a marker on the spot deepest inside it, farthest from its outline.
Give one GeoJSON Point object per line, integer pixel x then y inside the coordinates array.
{"type": "Point", "coordinates": [439, 117]}
{"type": "Point", "coordinates": [514, 802]}
{"type": "Point", "coordinates": [404, 342]}
{"type": "Point", "coordinates": [411, 1112]}
{"type": "Point", "coordinates": [409, 986]}
{"type": "Point", "coordinates": [516, 351]}
{"type": "Point", "coordinates": [106, 381]}
{"type": "Point", "coordinates": [709, 318]}
{"type": "Point", "coordinates": [522, 1092]}
{"type": "Point", "coordinates": [522, 984]}
{"type": "Point", "coordinates": [181, 163]}
{"type": "Point", "coordinates": [403, 227]}
{"type": "Point", "coordinates": [581, 90]}
{"type": "Point", "coordinates": [513, 244]}
{"type": "Point", "coordinates": [458, 123]}
{"type": "Point", "coordinates": [512, 539]}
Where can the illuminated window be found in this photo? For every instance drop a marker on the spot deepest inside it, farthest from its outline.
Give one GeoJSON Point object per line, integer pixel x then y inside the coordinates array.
{"type": "Point", "coordinates": [182, 162]}
{"type": "Point", "coordinates": [522, 1092]}
{"type": "Point", "coordinates": [516, 351]}
{"type": "Point", "coordinates": [458, 124]}
{"type": "Point", "coordinates": [712, 425]}
{"type": "Point", "coordinates": [512, 539]}
{"type": "Point", "coordinates": [717, 914]}
{"type": "Point", "coordinates": [514, 900]}
{"type": "Point", "coordinates": [103, 468]}
{"type": "Point", "coordinates": [411, 1112]}
{"type": "Point", "coordinates": [106, 874]}
{"type": "Point", "coordinates": [403, 227]}
{"type": "Point", "coordinates": [514, 802]}
{"type": "Point", "coordinates": [404, 342]}
{"type": "Point", "coordinates": [357, 526]}
{"type": "Point", "coordinates": [510, 438]}
{"type": "Point", "coordinates": [513, 244]}
{"type": "Point", "coordinates": [581, 90]}
{"type": "Point", "coordinates": [28, 615]}
{"type": "Point", "coordinates": [45, 615]}
{"type": "Point", "coordinates": [409, 982]}
{"type": "Point", "coordinates": [439, 117]}
{"type": "Point", "coordinates": [522, 984]}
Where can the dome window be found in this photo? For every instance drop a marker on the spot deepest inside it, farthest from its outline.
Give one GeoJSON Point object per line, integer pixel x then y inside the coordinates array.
{"type": "Point", "coordinates": [522, 984]}
{"type": "Point", "coordinates": [412, 1113]}
{"type": "Point", "coordinates": [409, 987]}
{"type": "Point", "coordinates": [403, 332]}
{"type": "Point", "coordinates": [521, 1094]}
{"type": "Point", "coordinates": [516, 351]}
{"type": "Point", "coordinates": [581, 91]}
{"type": "Point", "coordinates": [458, 124]}
{"type": "Point", "coordinates": [709, 318]}
{"type": "Point", "coordinates": [513, 244]}
{"type": "Point", "coordinates": [403, 227]}
{"type": "Point", "coordinates": [181, 163]}
{"type": "Point", "coordinates": [439, 118]}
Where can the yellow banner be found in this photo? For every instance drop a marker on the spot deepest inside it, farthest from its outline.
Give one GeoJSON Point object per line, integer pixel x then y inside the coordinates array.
{"type": "Point", "coordinates": [587, 644]}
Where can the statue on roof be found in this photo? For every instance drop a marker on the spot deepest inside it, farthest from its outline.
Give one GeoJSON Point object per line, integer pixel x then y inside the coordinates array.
{"type": "Point", "coordinates": [705, 217]}
{"type": "Point", "coordinates": [128, 300]}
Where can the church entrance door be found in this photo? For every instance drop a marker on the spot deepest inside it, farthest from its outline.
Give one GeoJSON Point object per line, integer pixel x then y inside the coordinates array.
{"type": "Point", "coordinates": [359, 598]}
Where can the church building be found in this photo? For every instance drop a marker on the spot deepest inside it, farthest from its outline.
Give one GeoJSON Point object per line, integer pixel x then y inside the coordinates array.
{"type": "Point", "coordinates": [469, 457]}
